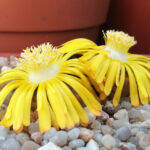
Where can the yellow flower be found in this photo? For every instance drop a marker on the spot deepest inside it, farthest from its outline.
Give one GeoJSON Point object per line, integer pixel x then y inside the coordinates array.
{"type": "Point", "coordinates": [110, 64]}
{"type": "Point", "coordinates": [51, 76]}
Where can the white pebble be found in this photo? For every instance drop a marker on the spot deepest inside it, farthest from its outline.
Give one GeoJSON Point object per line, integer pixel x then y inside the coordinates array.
{"type": "Point", "coordinates": [30, 145]}
{"type": "Point", "coordinates": [90, 115]}
{"type": "Point", "coordinates": [121, 114]}
{"type": "Point", "coordinates": [3, 61]}
{"type": "Point", "coordinates": [98, 138]}
{"type": "Point", "coordinates": [146, 124]}
{"type": "Point", "coordinates": [10, 144]}
{"type": "Point", "coordinates": [22, 138]}
{"type": "Point", "coordinates": [47, 135]}
{"type": "Point", "coordinates": [73, 134]}
{"type": "Point", "coordinates": [76, 143]}
{"type": "Point", "coordinates": [13, 61]}
{"type": "Point", "coordinates": [60, 138]}
{"type": "Point", "coordinates": [82, 148]}
{"type": "Point", "coordinates": [3, 133]}
{"type": "Point", "coordinates": [50, 146]}
{"type": "Point", "coordinates": [108, 141]}
{"type": "Point", "coordinates": [92, 145]}
{"type": "Point", "coordinates": [5, 68]}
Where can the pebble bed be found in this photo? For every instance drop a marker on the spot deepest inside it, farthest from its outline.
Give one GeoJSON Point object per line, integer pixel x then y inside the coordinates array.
{"type": "Point", "coordinates": [119, 128]}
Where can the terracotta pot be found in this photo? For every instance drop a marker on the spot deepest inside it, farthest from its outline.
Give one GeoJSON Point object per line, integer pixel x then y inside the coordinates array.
{"type": "Point", "coordinates": [24, 23]}
{"type": "Point", "coordinates": [132, 16]}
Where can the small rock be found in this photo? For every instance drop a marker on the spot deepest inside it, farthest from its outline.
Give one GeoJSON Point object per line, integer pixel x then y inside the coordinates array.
{"type": "Point", "coordinates": [44, 142]}
{"type": "Point", "coordinates": [3, 61]}
{"type": "Point", "coordinates": [96, 125]}
{"type": "Point", "coordinates": [47, 135]}
{"type": "Point", "coordinates": [3, 133]}
{"type": "Point", "coordinates": [127, 146]}
{"type": "Point", "coordinates": [133, 115]}
{"type": "Point", "coordinates": [90, 115]}
{"type": "Point", "coordinates": [144, 141]}
{"type": "Point", "coordinates": [109, 108]}
{"type": "Point", "coordinates": [50, 146]}
{"type": "Point", "coordinates": [108, 141]}
{"type": "Point", "coordinates": [73, 134]}
{"type": "Point", "coordinates": [123, 133]}
{"type": "Point", "coordinates": [143, 130]}
{"type": "Point", "coordinates": [133, 140]}
{"type": "Point", "coordinates": [144, 115]}
{"type": "Point", "coordinates": [37, 137]}
{"type": "Point", "coordinates": [22, 138]}
{"type": "Point", "coordinates": [92, 145]}
{"type": "Point", "coordinates": [125, 103]}
{"type": "Point", "coordinates": [148, 148]}
{"type": "Point", "coordinates": [146, 107]}
{"type": "Point", "coordinates": [116, 148]}
{"type": "Point", "coordinates": [146, 124]}
{"type": "Point", "coordinates": [106, 130]}
{"type": "Point", "coordinates": [76, 143]}
{"type": "Point", "coordinates": [86, 134]}
{"type": "Point", "coordinates": [66, 148]}
{"type": "Point", "coordinates": [121, 123]}
{"type": "Point", "coordinates": [96, 131]}
{"type": "Point", "coordinates": [13, 61]}
{"type": "Point", "coordinates": [134, 131]}
{"type": "Point", "coordinates": [98, 138]}
{"type": "Point", "coordinates": [5, 68]}
{"type": "Point", "coordinates": [104, 116]}
{"type": "Point", "coordinates": [10, 144]}
{"type": "Point", "coordinates": [103, 148]}
{"type": "Point", "coordinates": [30, 145]}
{"type": "Point", "coordinates": [12, 134]}
{"type": "Point", "coordinates": [82, 148]}
{"type": "Point", "coordinates": [140, 134]}
{"type": "Point", "coordinates": [110, 122]}
{"type": "Point", "coordinates": [60, 138]}
{"type": "Point", "coordinates": [121, 114]}
{"type": "Point", "coordinates": [34, 127]}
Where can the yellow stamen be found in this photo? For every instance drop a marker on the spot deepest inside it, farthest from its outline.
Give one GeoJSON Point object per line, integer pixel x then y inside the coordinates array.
{"type": "Point", "coordinates": [118, 41]}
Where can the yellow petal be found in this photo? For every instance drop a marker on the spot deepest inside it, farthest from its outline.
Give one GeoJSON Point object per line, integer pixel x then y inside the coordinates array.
{"type": "Point", "coordinates": [43, 109]}
{"type": "Point", "coordinates": [27, 107]}
{"type": "Point", "coordinates": [7, 89]}
{"type": "Point", "coordinates": [133, 87]}
{"type": "Point", "coordinates": [76, 44]}
{"type": "Point", "coordinates": [57, 106]}
{"type": "Point", "coordinates": [111, 76]}
{"type": "Point", "coordinates": [117, 95]}
{"type": "Point", "coordinates": [91, 102]}
{"type": "Point", "coordinates": [8, 118]}
{"type": "Point", "coordinates": [19, 108]}
{"type": "Point", "coordinates": [102, 70]}
{"type": "Point", "coordinates": [81, 113]}
{"type": "Point", "coordinates": [139, 78]}
{"type": "Point", "coordinates": [70, 107]}
{"type": "Point", "coordinates": [54, 120]}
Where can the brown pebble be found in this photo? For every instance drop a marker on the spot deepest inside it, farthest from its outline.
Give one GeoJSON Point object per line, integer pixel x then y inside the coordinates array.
{"type": "Point", "coordinates": [104, 116]}
{"type": "Point", "coordinates": [86, 134]}
{"type": "Point", "coordinates": [37, 137]}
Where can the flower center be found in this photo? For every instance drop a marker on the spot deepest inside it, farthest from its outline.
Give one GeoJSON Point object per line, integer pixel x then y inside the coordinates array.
{"type": "Point", "coordinates": [116, 55]}
{"type": "Point", "coordinates": [118, 44]}
{"type": "Point", "coordinates": [41, 63]}
{"type": "Point", "coordinates": [45, 74]}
